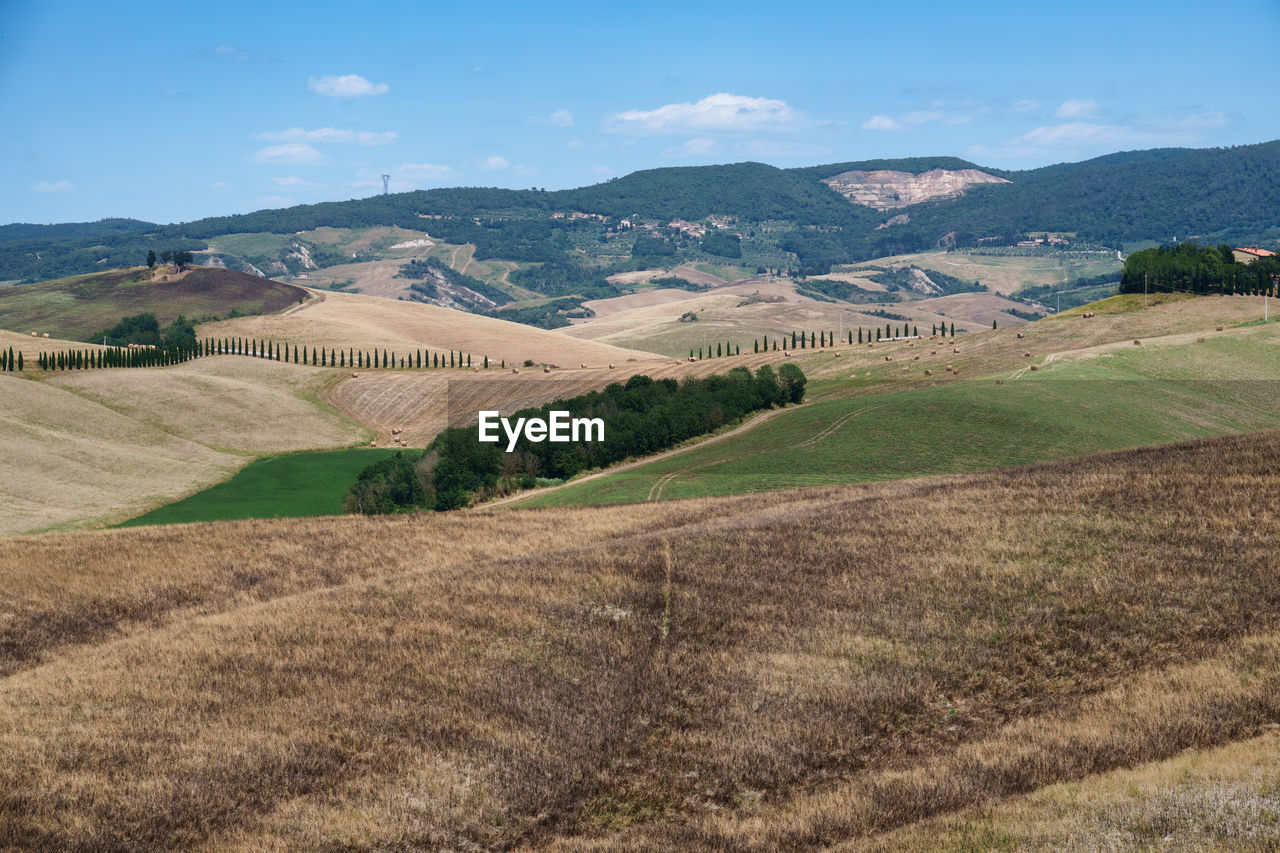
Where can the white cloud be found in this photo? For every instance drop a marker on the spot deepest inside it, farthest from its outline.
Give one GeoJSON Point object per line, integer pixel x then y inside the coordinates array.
{"type": "Point", "coordinates": [329, 134]}
{"type": "Point", "coordinates": [881, 122]}
{"type": "Point", "coordinates": [268, 201]}
{"type": "Point", "coordinates": [424, 171]}
{"type": "Point", "coordinates": [575, 144]}
{"type": "Point", "coordinates": [290, 152]}
{"type": "Point", "coordinates": [1082, 133]}
{"type": "Point", "coordinates": [346, 86]}
{"type": "Point", "coordinates": [718, 113]}
{"type": "Point", "coordinates": [561, 118]}
{"type": "Point", "coordinates": [292, 181]}
{"type": "Point", "coordinates": [52, 187]}
{"type": "Point", "coordinates": [1075, 108]}
{"type": "Point", "coordinates": [699, 146]}
{"type": "Point", "coordinates": [494, 163]}
{"type": "Point", "coordinates": [1196, 121]}
{"type": "Point", "coordinates": [1026, 106]}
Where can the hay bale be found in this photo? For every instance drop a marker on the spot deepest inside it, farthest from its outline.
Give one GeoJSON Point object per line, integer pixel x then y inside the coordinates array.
{"type": "Point", "coordinates": [1033, 367]}
{"type": "Point", "coordinates": [1137, 343]}
{"type": "Point", "coordinates": [999, 381]}
{"type": "Point", "coordinates": [888, 358]}
{"type": "Point", "coordinates": [475, 370]}
{"type": "Point", "coordinates": [515, 370]}
{"type": "Point", "coordinates": [35, 334]}
{"type": "Point", "coordinates": [948, 368]}
{"type": "Point", "coordinates": [953, 349]}
{"type": "Point", "coordinates": [928, 373]}
{"type": "Point", "coordinates": [691, 358]}
{"type": "Point", "coordinates": [1199, 340]}
{"type": "Point", "coordinates": [1026, 355]}
{"type": "Point", "coordinates": [1218, 329]}
{"type": "Point", "coordinates": [46, 334]}
{"type": "Point", "coordinates": [546, 369]}
{"type": "Point", "coordinates": [580, 364]}
{"type": "Point", "coordinates": [915, 358]}
{"type": "Point", "coordinates": [611, 367]}
{"type": "Point", "coordinates": [373, 444]}
{"type": "Point", "coordinates": [355, 376]}
{"type": "Point", "coordinates": [1019, 335]}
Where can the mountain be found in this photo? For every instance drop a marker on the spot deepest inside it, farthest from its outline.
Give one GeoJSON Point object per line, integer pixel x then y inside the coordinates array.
{"type": "Point", "coordinates": [807, 218]}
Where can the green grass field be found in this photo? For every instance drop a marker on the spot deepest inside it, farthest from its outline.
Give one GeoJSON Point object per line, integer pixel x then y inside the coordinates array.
{"type": "Point", "coordinates": [1118, 399]}
{"type": "Point", "coordinates": [290, 485]}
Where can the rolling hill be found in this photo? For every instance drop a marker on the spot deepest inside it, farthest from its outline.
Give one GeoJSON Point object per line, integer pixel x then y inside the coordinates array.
{"type": "Point", "coordinates": [78, 307]}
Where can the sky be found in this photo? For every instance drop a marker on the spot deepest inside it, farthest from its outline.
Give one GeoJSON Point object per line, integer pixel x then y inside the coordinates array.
{"type": "Point", "coordinates": [172, 112]}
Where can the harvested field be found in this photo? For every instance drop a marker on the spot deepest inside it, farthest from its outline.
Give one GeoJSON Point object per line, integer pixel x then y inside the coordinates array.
{"type": "Point", "coordinates": [98, 446]}
{"type": "Point", "coordinates": [785, 671]}
{"type": "Point", "coordinates": [349, 320]}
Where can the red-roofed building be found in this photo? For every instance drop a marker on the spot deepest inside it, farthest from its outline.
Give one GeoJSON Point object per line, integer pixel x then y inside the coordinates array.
{"type": "Point", "coordinates": [1249, 254]}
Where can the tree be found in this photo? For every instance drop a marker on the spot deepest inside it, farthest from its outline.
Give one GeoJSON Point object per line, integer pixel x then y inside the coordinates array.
{"type": "Point", "coordinates": [19, 362]}
{"type": "Point", "coordinates": [993, 324]}
{"type": "Point", "coordinates": [953, 330]}
{"type": "Point", "coordinates": [151, 259]}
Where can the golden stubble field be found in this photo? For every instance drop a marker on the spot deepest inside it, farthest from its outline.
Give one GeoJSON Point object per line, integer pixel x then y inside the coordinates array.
{"type": "Point", "coordinates": [352, 320]}
{"type": "Point", "coordinates": [785, 671]}
{"type": "Point", "coordinates": [93, 447]}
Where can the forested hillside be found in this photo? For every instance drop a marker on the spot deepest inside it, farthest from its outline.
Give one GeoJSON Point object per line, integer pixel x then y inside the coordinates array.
{"type": "Point", "coordinates": [785, 218]}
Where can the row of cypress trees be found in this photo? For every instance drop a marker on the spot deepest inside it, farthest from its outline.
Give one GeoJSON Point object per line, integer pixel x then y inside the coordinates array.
{"type": "Point", "coordinates": [91, 359]}
{"type": "Point", "coordinates": [8, 363]}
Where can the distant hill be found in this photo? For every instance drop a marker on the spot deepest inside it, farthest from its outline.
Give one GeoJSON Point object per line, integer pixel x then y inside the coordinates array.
{"type": "Point", "coordinates": [80, 306]}
{"type": "Point", "coordinates": [788, 218]}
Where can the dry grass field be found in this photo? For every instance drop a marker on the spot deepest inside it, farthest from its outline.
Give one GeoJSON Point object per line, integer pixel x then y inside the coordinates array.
{"type": "Point", "coordinates": [351, 320]}
{"type": "Point", "coordinates": [98, 446]}
{"type": "Point", "coordinates": [786, 671]}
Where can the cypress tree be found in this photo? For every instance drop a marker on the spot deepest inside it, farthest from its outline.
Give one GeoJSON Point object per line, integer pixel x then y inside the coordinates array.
{"type": "Point", "coordinates": [811, 344]}
{"type": "Point", "coordinates": [385, 362]}
{"type": "Point", "coordinates": [915, 331]}
{"type": "Point", "coordinates": [859, 335]}
{"type": "Point", "coordinates": [451, 358]}
{"type": "Point", "coordinates": [19, 362]}
{"type": "Point", "coordinates": [435, 359]}
{"type": "Point", "coordinates": [468, 359]}
{"type": "Point", "coordinates": [877, 334]}
{"type": "Point", "coordinates": [419, 358]}
{"type": "Point", "coordinates": [993, 324]}
{"type": "Point", "coordinates": [793, 340]}
{"type": "Point", "coordinates": [699, 353]}
{"type": "Point", "coordinates": [718, 351]}
{"type": "Point", "coordinates": [342, 360]}
{"type": "Point", "coordinates": [486, 362]}
{"type": "Point", "coordinates": [953, 330]}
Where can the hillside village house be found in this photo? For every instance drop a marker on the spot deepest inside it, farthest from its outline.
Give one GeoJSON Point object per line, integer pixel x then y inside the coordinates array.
{"type": "Point", "coordinates": [1249, 254]}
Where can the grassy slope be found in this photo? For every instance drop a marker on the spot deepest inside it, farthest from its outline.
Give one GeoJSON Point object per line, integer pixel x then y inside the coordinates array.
{"type": "Point", "coordinates": [94, 447]}
{"type": "Point", "coordinates": [295, 485]}
{"type": "Point", "coordinates": [781, 671]}
{"type": "Point", "coordinates": [1108, 396]}
{"type": "Point", "coordinates": [85, 305]}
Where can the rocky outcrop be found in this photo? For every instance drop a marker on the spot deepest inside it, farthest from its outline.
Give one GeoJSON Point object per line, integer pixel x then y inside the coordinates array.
{"type": "Point", "coordinates": [886, 189]}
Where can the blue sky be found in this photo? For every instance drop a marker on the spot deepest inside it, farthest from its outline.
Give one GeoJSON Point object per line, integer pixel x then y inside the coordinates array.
{"type": "Point", "coordinates": [171, 112]}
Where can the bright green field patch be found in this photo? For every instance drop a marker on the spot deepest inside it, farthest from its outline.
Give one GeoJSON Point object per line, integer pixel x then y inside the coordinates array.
{"type": "Point", "coordinates": [1123, 399]}
{"type": "Point", "coordinates": [290, 485]}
